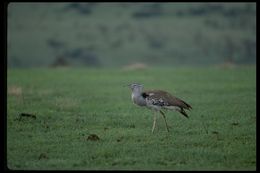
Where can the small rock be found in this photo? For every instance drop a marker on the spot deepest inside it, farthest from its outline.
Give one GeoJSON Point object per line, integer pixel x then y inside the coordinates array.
{"type": "Point", "coordinates": [93, 137]}
{"type": "Point", "coordinates": [43, 156]}
{"type": "Point", "coordinates": [235, 124]}
{"type": "Point", "coordinates": [215, 132]}
{"type": "Point", "coordinates": [26, 115]}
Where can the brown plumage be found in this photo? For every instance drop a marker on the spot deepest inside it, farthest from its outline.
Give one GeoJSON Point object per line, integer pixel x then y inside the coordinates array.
{"type": "Point", "coordinates": [168, 100]}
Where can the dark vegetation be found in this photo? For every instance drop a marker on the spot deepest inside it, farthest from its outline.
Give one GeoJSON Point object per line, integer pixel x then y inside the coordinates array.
{"type": "Point", "coordinates": [117, 34]}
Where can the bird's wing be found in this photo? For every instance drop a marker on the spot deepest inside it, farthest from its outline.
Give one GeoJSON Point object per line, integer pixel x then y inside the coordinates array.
{"type": "Point", "coordinates": [164, 98]}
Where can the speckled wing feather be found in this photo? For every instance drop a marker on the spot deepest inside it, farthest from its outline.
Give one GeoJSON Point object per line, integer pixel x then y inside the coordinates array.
{"type": "Point", "coordinates": [164, 98]}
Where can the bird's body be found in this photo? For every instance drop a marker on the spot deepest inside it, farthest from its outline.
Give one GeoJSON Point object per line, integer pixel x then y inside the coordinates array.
{"type": "Point", "coordinates": [158, 100]}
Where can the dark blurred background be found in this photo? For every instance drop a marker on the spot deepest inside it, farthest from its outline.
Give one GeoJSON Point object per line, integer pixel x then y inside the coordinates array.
{"type": "Point", "coordinates": [121, 34]}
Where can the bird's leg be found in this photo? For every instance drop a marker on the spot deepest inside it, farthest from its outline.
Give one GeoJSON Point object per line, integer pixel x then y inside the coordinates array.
{"type": "Point", "coordinates": [164, 120]}
{"type": "Point", "coordinates": [154, 120]}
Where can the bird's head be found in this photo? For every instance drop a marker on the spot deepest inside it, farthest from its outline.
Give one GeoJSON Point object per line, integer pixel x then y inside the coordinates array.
{"type": "Point", "coordinates": [136, 87]}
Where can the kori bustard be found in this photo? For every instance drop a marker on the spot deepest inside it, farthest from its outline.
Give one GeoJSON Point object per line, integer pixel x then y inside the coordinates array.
{"type": "Point", "coordinates": [158, 100]}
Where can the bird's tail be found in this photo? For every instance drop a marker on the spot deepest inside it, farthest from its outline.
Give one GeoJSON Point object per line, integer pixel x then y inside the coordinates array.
{"type": "Point", "coordinates": [187, 105]}
{"type": "Point", "coordinates": [183, 113]}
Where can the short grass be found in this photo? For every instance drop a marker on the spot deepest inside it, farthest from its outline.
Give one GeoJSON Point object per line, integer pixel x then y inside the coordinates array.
{"type": "Point", "coordinates": [71, 104]}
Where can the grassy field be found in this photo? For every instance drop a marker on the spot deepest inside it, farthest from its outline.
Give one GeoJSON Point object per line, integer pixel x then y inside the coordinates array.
{"type": "Point", "coordinates": [72, 104]}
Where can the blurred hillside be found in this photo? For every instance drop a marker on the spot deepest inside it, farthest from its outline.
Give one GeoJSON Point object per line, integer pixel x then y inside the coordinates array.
{"type": "Point", "coordinates": [118, 34]}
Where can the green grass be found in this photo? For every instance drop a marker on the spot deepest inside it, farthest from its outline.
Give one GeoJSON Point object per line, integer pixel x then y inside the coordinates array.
{"type": "Point", "coordinates": [70, 104]}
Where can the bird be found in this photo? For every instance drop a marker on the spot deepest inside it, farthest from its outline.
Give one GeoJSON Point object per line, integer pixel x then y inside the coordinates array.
{"type": "Point", "coordinates": [157, 101]}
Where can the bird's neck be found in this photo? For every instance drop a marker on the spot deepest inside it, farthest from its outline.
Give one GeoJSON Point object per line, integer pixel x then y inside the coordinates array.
{"type": "Point", "coordinates": [138, 98]}
{"type": "Point", "coordinates": [136, 93]}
